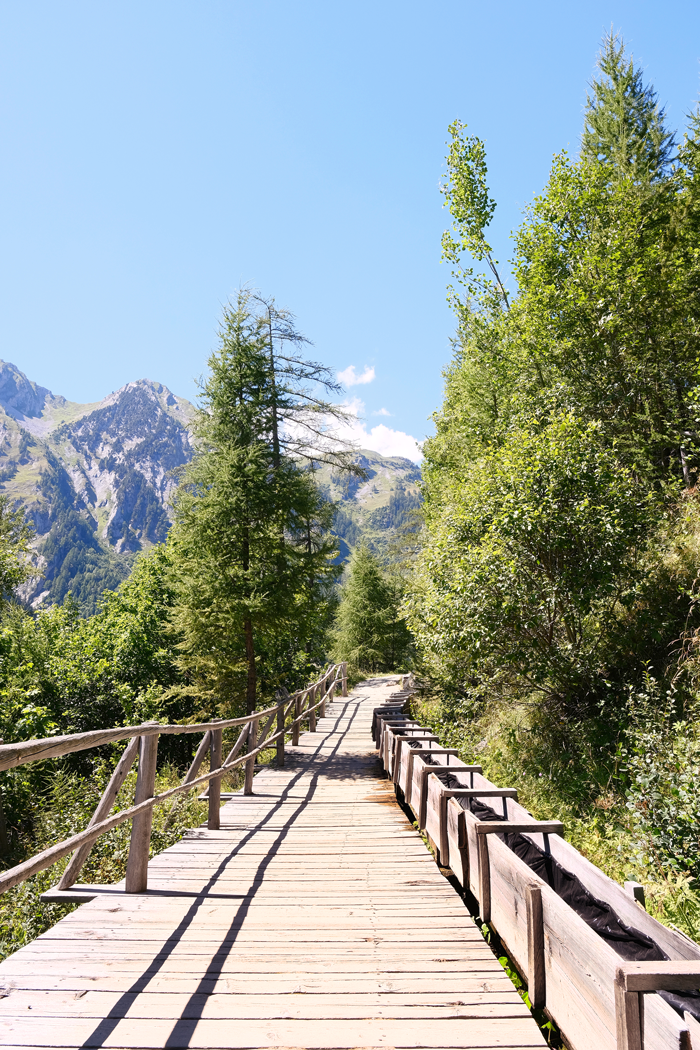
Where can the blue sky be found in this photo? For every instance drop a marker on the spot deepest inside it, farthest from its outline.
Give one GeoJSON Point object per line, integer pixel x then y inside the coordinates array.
{"type": "Point", "coordinates": [158, 153]}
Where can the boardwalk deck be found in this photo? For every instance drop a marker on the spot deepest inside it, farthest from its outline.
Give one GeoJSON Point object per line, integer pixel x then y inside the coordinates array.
{"type": "Point", "coordinates": [314, 917]}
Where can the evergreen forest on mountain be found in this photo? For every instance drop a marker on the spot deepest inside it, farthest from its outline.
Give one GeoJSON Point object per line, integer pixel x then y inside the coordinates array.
{"type": "Point", "coordinates": [540, 577]}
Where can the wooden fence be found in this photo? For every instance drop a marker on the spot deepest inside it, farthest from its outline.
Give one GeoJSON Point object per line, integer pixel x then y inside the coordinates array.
{"type": "Point", "coordinates": [302, 706]}
{"type": "Point", "coordinates": [598, 1001]}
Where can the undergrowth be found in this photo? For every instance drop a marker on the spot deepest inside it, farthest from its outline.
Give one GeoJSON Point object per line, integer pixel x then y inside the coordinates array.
{"type": "Point", "coordinates": [63, 810]}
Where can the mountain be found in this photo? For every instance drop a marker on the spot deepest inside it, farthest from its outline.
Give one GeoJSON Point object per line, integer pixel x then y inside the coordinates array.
{"type": "Point", "coordinates": [96, 481]}
{"type": "Point", "coordinates": [95, 478]}
{"type": "Point", "coordinates": [376, 508]}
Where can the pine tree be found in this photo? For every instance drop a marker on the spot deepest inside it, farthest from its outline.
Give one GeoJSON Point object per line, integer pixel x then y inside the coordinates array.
{"type": "Point", "coordinates": [252, 546]}
{"type": "Point", "coordinates": [369, 632]}
{"type": "Point", "coordinates": [624, 126]}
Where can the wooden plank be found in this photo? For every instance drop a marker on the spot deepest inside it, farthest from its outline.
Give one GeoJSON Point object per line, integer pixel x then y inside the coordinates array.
{"type": "Point", "coordinates": [313, 914]}
{"type": "Point", "coordinates": [205, 1034]}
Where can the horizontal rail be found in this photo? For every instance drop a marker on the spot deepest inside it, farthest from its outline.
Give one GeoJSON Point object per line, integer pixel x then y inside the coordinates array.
{"type": "Point", "coordinates": [13, 755]}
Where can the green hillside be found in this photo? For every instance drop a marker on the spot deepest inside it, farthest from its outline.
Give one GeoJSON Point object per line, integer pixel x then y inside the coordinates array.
{"type": "Point", "coordinates": [377, 507]}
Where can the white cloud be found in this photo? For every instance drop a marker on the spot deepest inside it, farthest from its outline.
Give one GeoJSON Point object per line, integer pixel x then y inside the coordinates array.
{"type": "Point", "coordinates": [349, 377]}
{"type": "Point", "coordinates": [381, 438]}
{"type": "Point", "coordinates": [381, 412]}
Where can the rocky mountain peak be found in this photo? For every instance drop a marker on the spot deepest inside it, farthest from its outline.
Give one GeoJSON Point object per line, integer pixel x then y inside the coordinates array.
{"type": "Point", "coordinates": [19, 396]}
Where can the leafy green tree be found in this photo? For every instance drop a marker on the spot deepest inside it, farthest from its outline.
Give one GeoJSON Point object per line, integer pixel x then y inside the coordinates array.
{"type": "Point", "coordinates": [251, 539]}
{"type": "Point", "coordinates": [526, 561]}
{"type": "Point", "coordinates": [580, 388]}
{"type": "Point", "coordinates": [624, 127]}
{"type": "Point", "coordinates": [370, 632]}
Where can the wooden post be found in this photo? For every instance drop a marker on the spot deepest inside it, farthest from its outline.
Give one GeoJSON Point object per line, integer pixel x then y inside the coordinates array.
{"type": "Point", "coordinates": [345, 678]}
{"type": "Point", "coordinates": [536, 988]}
{"type": "Point", "coordinates": [628, 1020]}
{"type": "Point", "coordinates": [216, 757]}
{"type": "Point", "coordinates": [322, 708]}
{"type": "Point", "coordinates": [636, 891]}
{"type": "Point", "coordinates": [482, 847]}
{"type": "Point", "coordinates": [280, 729]}
{"type": "Point", "coordinates": [312, 714]}
{"type": "Point", "coordinates": [250, 764]}
{"type": "Point", "coordinates": [137, 863]}
{"type": "Point", "coordinates": [75, 865]}
{"type": "Point", "coordinates": [297, 715]}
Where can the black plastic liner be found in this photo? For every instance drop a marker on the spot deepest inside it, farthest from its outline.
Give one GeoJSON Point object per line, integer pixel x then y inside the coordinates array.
{"type": "Point", "coordinates": [629, 943]}
{"type": "Point", "coordinates": [394, 712]}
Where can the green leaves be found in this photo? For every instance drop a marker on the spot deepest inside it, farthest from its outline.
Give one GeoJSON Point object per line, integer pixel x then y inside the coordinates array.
{"type": "Point", "coordinates": [527, 555]}
{"type": "Point", "coordinates": [624, 127]}
{"type": "Point", "coordinates": [251, 543]}
{"type": "Point", "coordinates": [472, 208]}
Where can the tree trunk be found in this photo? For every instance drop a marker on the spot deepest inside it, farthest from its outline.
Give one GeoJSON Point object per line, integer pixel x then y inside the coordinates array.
{"type": "Point", "coordinates": [251, 686]}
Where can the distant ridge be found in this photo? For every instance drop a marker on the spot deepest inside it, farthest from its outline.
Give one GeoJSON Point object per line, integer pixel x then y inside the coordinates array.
{"type": "Point", "coordinates": [97, 479]}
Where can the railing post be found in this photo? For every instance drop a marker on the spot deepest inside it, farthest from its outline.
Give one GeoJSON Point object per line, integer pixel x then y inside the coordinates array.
{"type": "Point", "coordinates": [250, 764]}
{"type": "Point", "coordinates": [75, 864]}
{"type": "Point", "coordinates": [139, 846]}
{"type": "Point", "coordinates": [297, 714]}
{"type": "Point", "coordinates": [283, 698]}
{"type": "Point", "coordinates": [345, 678]}
{"type": "Point", "coordinates": [536, 978]}
{"type": "Point", "coordinates": [482, 850]}
{"type": "Point", "coordinates": [312, 714]}
{"type": "Point", "coordinates": [322, 708]}
{"type": "Point", "coordinates": [216, 757]}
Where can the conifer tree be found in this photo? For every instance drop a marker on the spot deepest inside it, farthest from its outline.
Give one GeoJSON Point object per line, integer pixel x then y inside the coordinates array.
{"type": "Point", "coordinates": [369, 632]}
{"type": "Point", "coordinates": [624, 126]}
{"type": "Point", "coordinates": [251, 543]}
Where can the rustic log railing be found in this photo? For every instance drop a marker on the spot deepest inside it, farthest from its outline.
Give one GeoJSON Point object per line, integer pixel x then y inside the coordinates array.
{"type": "Point", "coordinates": [143, 744]}
{"type": "Point", "coordinates": [597, 998]}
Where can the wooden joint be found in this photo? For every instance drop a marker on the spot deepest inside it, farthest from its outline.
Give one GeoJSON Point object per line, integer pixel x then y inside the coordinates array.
{"type": "Point", "coordinates": [633, 979]}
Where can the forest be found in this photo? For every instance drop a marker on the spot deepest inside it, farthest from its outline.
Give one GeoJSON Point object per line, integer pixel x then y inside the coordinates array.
{"type": "Point", "coordinates": [545, 590]}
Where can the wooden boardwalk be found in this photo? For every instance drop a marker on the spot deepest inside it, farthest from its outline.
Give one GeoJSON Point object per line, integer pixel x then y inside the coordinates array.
{"type": "Point", "coordinates": [314, 918]}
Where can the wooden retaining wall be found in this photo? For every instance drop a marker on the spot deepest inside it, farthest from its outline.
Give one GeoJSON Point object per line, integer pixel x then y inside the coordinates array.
{"type": "Point", "coordinates": [571, 972]}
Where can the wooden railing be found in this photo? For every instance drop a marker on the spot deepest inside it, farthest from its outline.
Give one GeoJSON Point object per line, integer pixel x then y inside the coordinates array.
{"type": "Point", "coordinates": [598, 1000]}
{"type": "Point", "coordinates": [143, 744]}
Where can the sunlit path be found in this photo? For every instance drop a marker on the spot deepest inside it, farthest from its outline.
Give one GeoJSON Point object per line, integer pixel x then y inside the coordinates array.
{"type": "Point", "coordinates": [314, 918]}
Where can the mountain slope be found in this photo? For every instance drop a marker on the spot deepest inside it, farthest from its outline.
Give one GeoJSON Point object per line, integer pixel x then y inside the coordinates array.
{"type": "Point", "coordinates": [375, 508]}
{"type": "Point", "coordinates": [95, 478]}
{"type": "Point", "coordinates": [96, 481]}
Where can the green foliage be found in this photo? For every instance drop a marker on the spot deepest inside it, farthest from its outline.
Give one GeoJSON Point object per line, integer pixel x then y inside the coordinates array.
{"type": "Point", "coordinates": [369, 632]}
{"type": "Point", "coordinates": [15, 536]}
{"type": "Point", "coordinates": [525, 559]}
{"type": "Point", "coordinates": [472, 209]}
{"type": "Point", "coordinates": [624, 126]}
{"type": "Point", "coordinates": [661, 763]}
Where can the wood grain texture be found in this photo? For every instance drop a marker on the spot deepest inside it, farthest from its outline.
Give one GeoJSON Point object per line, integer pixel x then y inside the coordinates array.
{"type": "Point", "coordinates": [313, 917]}
{"type": "Point", "coordinates": [139, 845]}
